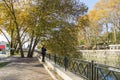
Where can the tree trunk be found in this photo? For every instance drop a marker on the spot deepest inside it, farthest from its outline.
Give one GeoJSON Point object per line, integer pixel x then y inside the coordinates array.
{"type": "Point", "coordinates": [19, 41]}
{"type": "Point", "coordinates": [12, 11]}
{"type": "Point", "coordinates": [30, 46]}
{"type": "Point", "coordinates": [18, 36]}
{"type": "Point", "coordinates": [34, 45]}
{"type": "Point", "coordinates": [11, 44]}
{"type": "Point", "coordinates": [114, 31]}
{"type": "Point", "coordinates": [107, 34]}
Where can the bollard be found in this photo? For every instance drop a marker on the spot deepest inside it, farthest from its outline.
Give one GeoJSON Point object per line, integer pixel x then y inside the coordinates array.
{"type": "Point", "coordinates": [49, 56]}
{"type": "Point", "coordinates": [55, 59]}
{"type": "Point", "coordinates": [65, 63]}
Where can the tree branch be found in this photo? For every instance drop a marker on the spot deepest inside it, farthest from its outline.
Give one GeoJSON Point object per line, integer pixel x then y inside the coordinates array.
{"type": "Point", "coordinates": [5, 36]}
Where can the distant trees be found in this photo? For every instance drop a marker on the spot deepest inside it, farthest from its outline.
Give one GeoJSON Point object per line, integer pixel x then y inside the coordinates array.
{"type": "Point", "coordinates": [104, 24]}
{"type": "Point", "coordinates": [111, 19]}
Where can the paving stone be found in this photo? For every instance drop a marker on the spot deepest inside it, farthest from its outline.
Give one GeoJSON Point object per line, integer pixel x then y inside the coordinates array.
{"type": "Point", "coordinates": [24, 69]}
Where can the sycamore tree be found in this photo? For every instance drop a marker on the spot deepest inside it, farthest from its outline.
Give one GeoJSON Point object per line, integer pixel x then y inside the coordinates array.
{"type": "Point", "coordinates": [13, 19]}
{"type": "Point", "coordinates": [38, 19]}
{"type": "Point", "coordinates": [107, 12]}
{"type": "Point", "coordinates": [7, 24]}
{"type": "Point", "coordinates": [63, 41]}
{"type": "Point", "coordinates": [102, 24]}
{"type": "Point", "coordinates": [83, 28]}
{"type": "Point", "coordinates": [97, 19]}
{"type": "Point", "coordinates": [62, 37]}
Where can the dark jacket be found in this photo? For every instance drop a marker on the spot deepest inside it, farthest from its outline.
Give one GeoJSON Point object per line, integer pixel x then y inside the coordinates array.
{"type": "Point", "coordinates": [43, 49]}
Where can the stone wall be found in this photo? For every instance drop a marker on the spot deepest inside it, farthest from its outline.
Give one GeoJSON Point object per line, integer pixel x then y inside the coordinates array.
{"type": "Point", "coordinates": [109, 57]}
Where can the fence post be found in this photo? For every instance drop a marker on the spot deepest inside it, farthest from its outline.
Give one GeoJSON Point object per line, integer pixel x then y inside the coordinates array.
{"type": "Point", "coordinates": [55, 58]}
{"type": "Point", "coordinates": [49, 56]}
{"type": "Point", "coordinates": [89, 71]}
{"type": "Point", "coordinates": [95, 71]}
{"type": "Point", "coordinates": [92, 70]}
{"type": "Point", "coordinates": [65, 63]}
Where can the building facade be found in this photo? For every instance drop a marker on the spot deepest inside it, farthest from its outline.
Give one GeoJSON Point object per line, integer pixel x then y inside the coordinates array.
{"type": "Point", "coordinates": [4, 46]}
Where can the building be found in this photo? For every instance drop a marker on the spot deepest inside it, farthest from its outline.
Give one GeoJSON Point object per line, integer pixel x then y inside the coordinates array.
{"type": "Point", "coordinates": [4, 46]}
{"type": "Point", "coordinates": [114, 47]}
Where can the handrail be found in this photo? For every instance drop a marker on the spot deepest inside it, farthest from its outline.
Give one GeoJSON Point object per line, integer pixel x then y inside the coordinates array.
{"type": "Point", "coordinates": [88, 70]}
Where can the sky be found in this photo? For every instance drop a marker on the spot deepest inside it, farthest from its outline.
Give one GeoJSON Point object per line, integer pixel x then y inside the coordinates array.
{"type": "Point", "coordinates": [89, 3]}
{"type": "Point", "coordinates": [2, 38]}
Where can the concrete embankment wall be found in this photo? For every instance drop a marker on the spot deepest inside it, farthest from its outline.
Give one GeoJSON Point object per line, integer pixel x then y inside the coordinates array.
{"type": "Point", "coordinates": [110, 57]}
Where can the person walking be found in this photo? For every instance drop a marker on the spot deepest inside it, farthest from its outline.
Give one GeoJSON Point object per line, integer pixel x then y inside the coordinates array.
{"type": "Point", "coordinates": [43, 49]}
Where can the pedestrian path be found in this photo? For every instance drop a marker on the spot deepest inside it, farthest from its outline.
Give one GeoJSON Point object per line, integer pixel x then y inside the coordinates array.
{"type": "Point", "coordinates": [23, 69]}
{"type": "Point", "coordinates": [3, 56]}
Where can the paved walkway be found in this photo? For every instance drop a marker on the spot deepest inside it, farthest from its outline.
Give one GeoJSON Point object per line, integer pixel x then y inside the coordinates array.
{"type": "Point", "coordinates": [3, 56]}
{"type": "Point", "coordinates": [23, 69]}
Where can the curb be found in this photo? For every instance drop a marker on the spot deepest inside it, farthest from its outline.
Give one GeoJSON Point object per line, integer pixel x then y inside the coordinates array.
{"type": "Point", "coordinates": [62, 74]}
{"type": "Point", "coordinates": [51, 74]}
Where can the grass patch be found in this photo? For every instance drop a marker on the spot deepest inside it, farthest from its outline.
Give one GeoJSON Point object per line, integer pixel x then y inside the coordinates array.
{"type": "Point", "coordinates": [2, 64]}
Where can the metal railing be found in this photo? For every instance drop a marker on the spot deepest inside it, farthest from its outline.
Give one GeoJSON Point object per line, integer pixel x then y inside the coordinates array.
{"type": "Point", "coordinates": [85, 69]}
{"type": "Point", "coordinates": [103, 72]}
